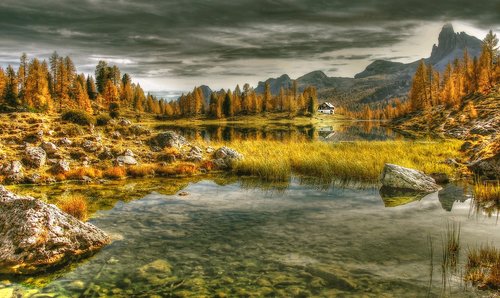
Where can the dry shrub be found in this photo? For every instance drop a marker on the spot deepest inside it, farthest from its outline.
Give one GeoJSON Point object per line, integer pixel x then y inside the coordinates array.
{"type": "Point", "coordinates": [186, 168]}
{"type": "Point", "coordinates": [141, 171]}
{"type": "Point", "coordinates": [163, 170]}
{"type": "Point", "coordinates": [75, 205]}
{"type": "Point", "coordinates": [207, 165]}
{"type": "Point", "coordinates": [115, 173]}
{"type": "Point", "coordinates": [79, 173]}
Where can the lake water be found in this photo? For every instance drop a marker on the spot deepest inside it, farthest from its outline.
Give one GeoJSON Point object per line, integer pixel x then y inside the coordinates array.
{"type": "Point", "coordinates": [236, 238]}
{"type": "Point", "coordinates": [328, 132]}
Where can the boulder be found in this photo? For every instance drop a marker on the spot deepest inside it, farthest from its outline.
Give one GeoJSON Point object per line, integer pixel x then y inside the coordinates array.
{"type": "Point", "coordinates": [224, 157]}
{"type": "Point", "coordinates": [106, 154]}
{"type": "Point", "coordinates": [65, 142]}
{"type": "Point", "coordinates": [13, 171]}
{"type": "Point", "coordinates": [394, 176]}
{"type": "Point", "coordinates": [126, 160]}
{"type": "Point", "coordinates": [61, 167]}
{"type": "Point", "coordinates": [91, 146]}
{"type": "Point", "coordinates": [35, 157]}
{"type": "Point", "coordinates": [195, 154]}
{"type": "Point", "coordinates": [49, 147]}
{"type": "Point", "coordinates": [440, 178]}
{"type": "Point", "coordinates": [167, 139]}
{"type": "Point", "coordinates": [125, 122]}
{"type": "Point", "coordinates": [487, 167]}
{"type": "Point", "coordinates": [35, 236]}
{"type": "Point", "coordinates": [128, 152]}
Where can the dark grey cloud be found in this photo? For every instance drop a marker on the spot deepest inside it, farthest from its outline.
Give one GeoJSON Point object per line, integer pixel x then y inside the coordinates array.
{"type": "Point", "coordinates": [193, 38]}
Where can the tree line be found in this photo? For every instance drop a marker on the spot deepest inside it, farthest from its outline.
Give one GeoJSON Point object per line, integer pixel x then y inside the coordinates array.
{"type": "Point", "coordinates": [55, 86]}
{"type": "Point", "coordinates": [431, 88]}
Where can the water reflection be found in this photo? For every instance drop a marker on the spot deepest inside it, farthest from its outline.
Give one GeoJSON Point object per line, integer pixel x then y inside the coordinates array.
{"type": "Point", "coordinates": [341, 131]}
{"type": "Point", "coordinates": [235, 238]}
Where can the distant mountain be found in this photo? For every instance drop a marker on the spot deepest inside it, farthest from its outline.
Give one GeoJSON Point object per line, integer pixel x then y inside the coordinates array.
{"type": "Point", "coordinates": [206, 92]}
{"type": "Point", "coordinates": [452, 45]}
{"type": "Point", "coordinates": [381, 79]}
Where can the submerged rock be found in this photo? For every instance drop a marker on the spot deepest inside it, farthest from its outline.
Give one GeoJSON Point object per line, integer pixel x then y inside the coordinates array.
{"type": "Point", "coordinates": [35, 236]}
{"type": "Point", "coordinates": [224, 157]}
{"type": "Point", "coordinates": [394, 176]}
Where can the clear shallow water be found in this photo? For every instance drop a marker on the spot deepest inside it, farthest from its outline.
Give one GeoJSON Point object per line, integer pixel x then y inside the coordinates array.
{"type": "Point", "coordinates": [230, 239]}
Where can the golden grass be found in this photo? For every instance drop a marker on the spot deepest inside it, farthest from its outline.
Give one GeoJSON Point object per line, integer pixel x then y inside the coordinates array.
{"type": "Point", "coordinates": [75, 205]}
{"type": "Point", "coordinates": [487, 192]}
{"type": "Point", "coordinates": [186, 168]}
{"type": "Point", "coordinates": [78, 173]}
{"type": "Point", "coordinates": [359, 161]}
{"type": "Point", "coordinates": [483, 267]}
{"type": "Point", "coordinates": [141, 170]}
{"type": "Point", "coordinates": [115, 173]}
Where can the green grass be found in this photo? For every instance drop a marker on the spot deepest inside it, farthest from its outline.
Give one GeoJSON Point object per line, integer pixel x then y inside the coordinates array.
{"type": "Point", "coordinates": [358, 161]}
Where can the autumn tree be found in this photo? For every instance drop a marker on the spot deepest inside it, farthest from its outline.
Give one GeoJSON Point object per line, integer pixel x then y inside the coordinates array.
{"type": "Point", "coordinates": [36, 88]}
{"type": "Point", "coordinates": [488, 63]}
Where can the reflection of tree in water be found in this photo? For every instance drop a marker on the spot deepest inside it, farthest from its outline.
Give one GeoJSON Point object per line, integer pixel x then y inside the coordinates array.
{"type": "Point", "coordinates": [282, 132]}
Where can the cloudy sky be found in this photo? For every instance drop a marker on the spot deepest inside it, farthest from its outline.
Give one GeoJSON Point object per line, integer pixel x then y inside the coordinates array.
{"type": "Point", "coordinates": [177, 44]}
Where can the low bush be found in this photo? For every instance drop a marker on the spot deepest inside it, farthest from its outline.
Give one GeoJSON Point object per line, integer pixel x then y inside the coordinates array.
{"type": "Point", "coordinates": [77, 117]}
{"type": "Point", "coordinates": [102, 120]}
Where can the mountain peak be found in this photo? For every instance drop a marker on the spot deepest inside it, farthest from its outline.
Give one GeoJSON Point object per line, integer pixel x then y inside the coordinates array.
{"type": "Point", "coordinates": [451, 43]}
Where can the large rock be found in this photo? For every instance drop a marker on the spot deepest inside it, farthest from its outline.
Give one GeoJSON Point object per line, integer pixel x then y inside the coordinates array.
{"type": "Point", "coordinates": [126, 160]}
{"type": "Point", "coordinates": [35, 157]}
{"type": "Point", "coordinates": [394, 176]}
{"type": "Point", "coordinates": [35, 236]}
{"type": "Point", "coordinates": [168, 139]}
{"type": "Point", "coordinates": [488, 167]}
{"type": "Point", "coordinates": [49, 147]}
{"type": "Point", "coordinates": [13, 171]}
{"type": "Point", "coordinates": [224, 157]}
{"type": "Point", "coordinates": [60, 167]}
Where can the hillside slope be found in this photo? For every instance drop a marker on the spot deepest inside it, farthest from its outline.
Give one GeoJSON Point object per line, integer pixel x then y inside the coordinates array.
{"type": "Point", "coordinates": [476, 122]}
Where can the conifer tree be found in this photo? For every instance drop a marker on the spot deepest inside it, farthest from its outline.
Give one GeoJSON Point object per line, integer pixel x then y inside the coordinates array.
{"type": "Point", "coordinates": [11, 87]}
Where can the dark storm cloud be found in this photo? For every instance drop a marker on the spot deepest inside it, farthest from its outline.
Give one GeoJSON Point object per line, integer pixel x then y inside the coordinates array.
{"type": "Point", "coordinates": [155, 38]}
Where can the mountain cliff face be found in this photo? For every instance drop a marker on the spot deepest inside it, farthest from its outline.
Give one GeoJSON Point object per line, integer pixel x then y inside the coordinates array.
{"type": "Point", "coordinates": [381, 79]}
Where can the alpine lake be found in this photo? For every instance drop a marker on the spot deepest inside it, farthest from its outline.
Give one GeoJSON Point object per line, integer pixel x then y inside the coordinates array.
{"type": "Point", "coordinates": [228, 236]}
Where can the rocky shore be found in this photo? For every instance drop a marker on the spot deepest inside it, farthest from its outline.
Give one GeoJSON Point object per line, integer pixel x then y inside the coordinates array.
{"type": "Point", "coordinates": [40, 150]}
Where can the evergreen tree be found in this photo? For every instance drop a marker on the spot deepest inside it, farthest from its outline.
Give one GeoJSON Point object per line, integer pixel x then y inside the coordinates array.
{"type": "Point", "coordinates": [11, 87]}
{"type": "Point", "coordinates": [228, 105]}
{"type": "Point", "coordinates": [22, 74]}
{"type": "Point", "coordinates": [91, 88]}
{"type": "Point", "coordinates": [101, 76]}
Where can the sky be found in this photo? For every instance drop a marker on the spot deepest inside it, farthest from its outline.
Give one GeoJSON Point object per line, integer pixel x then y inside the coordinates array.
{"type": "Point", "coordinates": [175, 45]}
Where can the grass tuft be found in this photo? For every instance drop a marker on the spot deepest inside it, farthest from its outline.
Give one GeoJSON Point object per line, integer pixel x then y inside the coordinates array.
{"type": "Point", "coordinates": [141, 171]}
{"type": "Point", "coordinates": [75, 205]}
{"type": "Point", "coordinates": [483, 267]}
{"type": "Point", "coordinates": [115, 173]}
{"type": "Point", "coordinates": [79, 173]}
